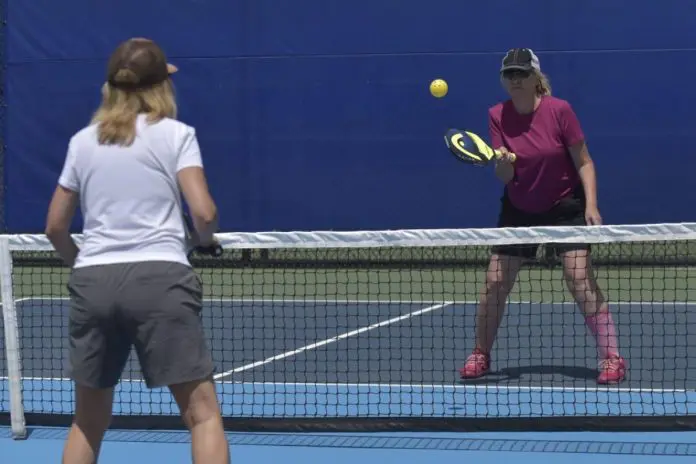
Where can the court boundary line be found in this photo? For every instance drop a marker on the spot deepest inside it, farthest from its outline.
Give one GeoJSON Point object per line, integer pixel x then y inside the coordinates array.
{"type": "Point", "coordinates": [397, 386]}
{"type": "Point", "coordinates": [396, 301]}
{"type": "Point", "coordinates": [333, 339]}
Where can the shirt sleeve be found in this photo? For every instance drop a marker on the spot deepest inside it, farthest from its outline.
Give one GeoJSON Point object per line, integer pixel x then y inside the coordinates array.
{"type": "Point", "coordinates": [69, 178]}
{"type": "Point", "coordinates": [189, 151]}
{"type": "Point", "coordinates": [494, 131]}
{"type": "Point", "coordinates": [571, 130]}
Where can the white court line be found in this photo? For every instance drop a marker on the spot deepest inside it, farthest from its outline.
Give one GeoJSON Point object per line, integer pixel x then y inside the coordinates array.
{"type": "Point", "coordinates": [539, 388]}
{"type": "Point", "coordinates": [327, 341]}
{"type": "Point", "coordinates": [387, 302]}
{"type": "Point", "coordinates": [272, 300]}
{"type": "Point", "coordinates": [400, 386]}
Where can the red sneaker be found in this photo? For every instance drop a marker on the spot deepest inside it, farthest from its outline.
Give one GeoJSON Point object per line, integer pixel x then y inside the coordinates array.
{"type": "Point", "coordinates": [477, 365]}
{"type": "Point", "coordinates": [612, 370]}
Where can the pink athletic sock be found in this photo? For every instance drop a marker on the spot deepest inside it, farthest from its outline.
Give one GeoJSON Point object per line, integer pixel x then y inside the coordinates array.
{"type": "Point", "coordinates": [602, 327]}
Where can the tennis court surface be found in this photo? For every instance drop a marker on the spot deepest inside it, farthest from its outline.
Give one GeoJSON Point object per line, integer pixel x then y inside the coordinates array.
{"type": "Point", "coordinates": [365, 332]}
{"type": "Point", "coordinates": [308, 358]}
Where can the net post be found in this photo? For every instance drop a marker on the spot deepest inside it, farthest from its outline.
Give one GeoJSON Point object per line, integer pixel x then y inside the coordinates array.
{"type": "Point", "coordinates": [12, 348]}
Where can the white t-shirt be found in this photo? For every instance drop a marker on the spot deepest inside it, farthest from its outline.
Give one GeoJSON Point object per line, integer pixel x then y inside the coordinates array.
{"type": "Point", "coordinates": [129, 196]}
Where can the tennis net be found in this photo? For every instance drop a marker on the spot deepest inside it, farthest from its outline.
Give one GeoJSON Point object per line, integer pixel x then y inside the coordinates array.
{"type": "Point", "coordinates": [366, 331]}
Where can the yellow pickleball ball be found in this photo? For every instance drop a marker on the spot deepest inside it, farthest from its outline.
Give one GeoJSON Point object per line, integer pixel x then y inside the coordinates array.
{"type": "Point", "coordinates": [438, 88]}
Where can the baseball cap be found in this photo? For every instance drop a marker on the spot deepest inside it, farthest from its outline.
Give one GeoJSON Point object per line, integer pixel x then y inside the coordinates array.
{"type": "Point", "coordinates": [146, 61]}
{"type": "Point", "coordinates": [520, 58]}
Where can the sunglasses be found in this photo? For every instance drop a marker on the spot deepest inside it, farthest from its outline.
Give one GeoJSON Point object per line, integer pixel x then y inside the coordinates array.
{"type": "Point", "coordinates": [516, 74]}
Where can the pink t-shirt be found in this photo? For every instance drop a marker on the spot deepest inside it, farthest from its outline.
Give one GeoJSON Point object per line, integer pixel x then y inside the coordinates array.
{"type": "Point", "coordinates": [544, 169]}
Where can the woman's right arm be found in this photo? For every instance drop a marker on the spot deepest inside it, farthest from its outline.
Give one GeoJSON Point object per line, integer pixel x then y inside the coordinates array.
{"type": "Point", "coordinates": [194, 187]}
{"type": "Point", "coordinates": [504, 169]}
{"type": "Point", "coordinates": [203, 210]}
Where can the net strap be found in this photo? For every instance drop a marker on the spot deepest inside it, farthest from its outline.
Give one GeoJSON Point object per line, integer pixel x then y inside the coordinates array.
{"type": "Point", "coordinates": [12, 349]}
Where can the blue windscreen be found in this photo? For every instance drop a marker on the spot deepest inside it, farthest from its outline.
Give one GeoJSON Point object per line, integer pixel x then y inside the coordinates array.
{"type": "Point", "coordinates": [316, 114]}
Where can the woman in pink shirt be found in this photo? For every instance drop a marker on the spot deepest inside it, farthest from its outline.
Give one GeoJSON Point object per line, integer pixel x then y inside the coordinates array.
{"type": "Point", "coordinates": [551, 183]}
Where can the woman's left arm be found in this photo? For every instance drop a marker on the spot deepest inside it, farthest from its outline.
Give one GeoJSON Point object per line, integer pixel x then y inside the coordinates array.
{"type": "Point", "coordinates": [588, 177]}
{"type": "Point", "coordinates": [586, 171]}
{"type": "Point", "coordinates": [574, 139]}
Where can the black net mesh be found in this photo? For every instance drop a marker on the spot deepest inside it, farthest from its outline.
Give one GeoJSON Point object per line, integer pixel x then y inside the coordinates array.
{"type": "Point", "coordinates": [373, 338]}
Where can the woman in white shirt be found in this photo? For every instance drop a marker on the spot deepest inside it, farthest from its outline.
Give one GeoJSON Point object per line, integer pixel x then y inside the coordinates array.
{"type": "Point", "coordinates": [131, 282]}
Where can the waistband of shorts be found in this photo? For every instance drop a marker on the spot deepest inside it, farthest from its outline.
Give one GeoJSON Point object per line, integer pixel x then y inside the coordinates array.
{"type": "Point", "coordinates": [130, 257]}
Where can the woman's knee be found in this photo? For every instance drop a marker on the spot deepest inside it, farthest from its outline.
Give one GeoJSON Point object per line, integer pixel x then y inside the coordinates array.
{"type": "Point", "coordinates": [501, 274]}
{"type": "Point", "coordinates": [93, 407]}
{"type": "Point", "coordinates": [576, 267]}
{"type": "Point", "coordinates": [197, 401]}
{"type": "Point", "coordinates": [577, 276]}
{"type": "Point", "coordinates": [580, 278]}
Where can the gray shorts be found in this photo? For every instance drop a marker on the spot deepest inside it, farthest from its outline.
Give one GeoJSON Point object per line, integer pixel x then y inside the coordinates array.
{"type": "Point", "coordinates": [154, 306]}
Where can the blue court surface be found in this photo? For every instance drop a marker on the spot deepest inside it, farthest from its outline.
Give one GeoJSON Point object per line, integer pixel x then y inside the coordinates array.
{"type": "Point", "coordinates": [315, 358]}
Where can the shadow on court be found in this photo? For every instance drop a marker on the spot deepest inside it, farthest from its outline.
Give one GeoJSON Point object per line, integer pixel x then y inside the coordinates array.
{"type": "Point", "coordinates": [517, 373]}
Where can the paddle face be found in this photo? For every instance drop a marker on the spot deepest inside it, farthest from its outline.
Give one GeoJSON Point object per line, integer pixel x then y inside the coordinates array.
{"type": "Point", "coordinates": [469, 147]}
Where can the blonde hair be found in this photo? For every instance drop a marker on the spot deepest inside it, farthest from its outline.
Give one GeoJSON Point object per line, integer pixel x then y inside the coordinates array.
{"type": "Point", "coordinates": [119, 108]}
{"type": "Point", "coordinates": [543, 87]}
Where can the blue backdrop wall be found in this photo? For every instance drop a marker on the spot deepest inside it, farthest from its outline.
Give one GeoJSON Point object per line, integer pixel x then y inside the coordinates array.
{"type": "Point", "coordinates": [315, 114]}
